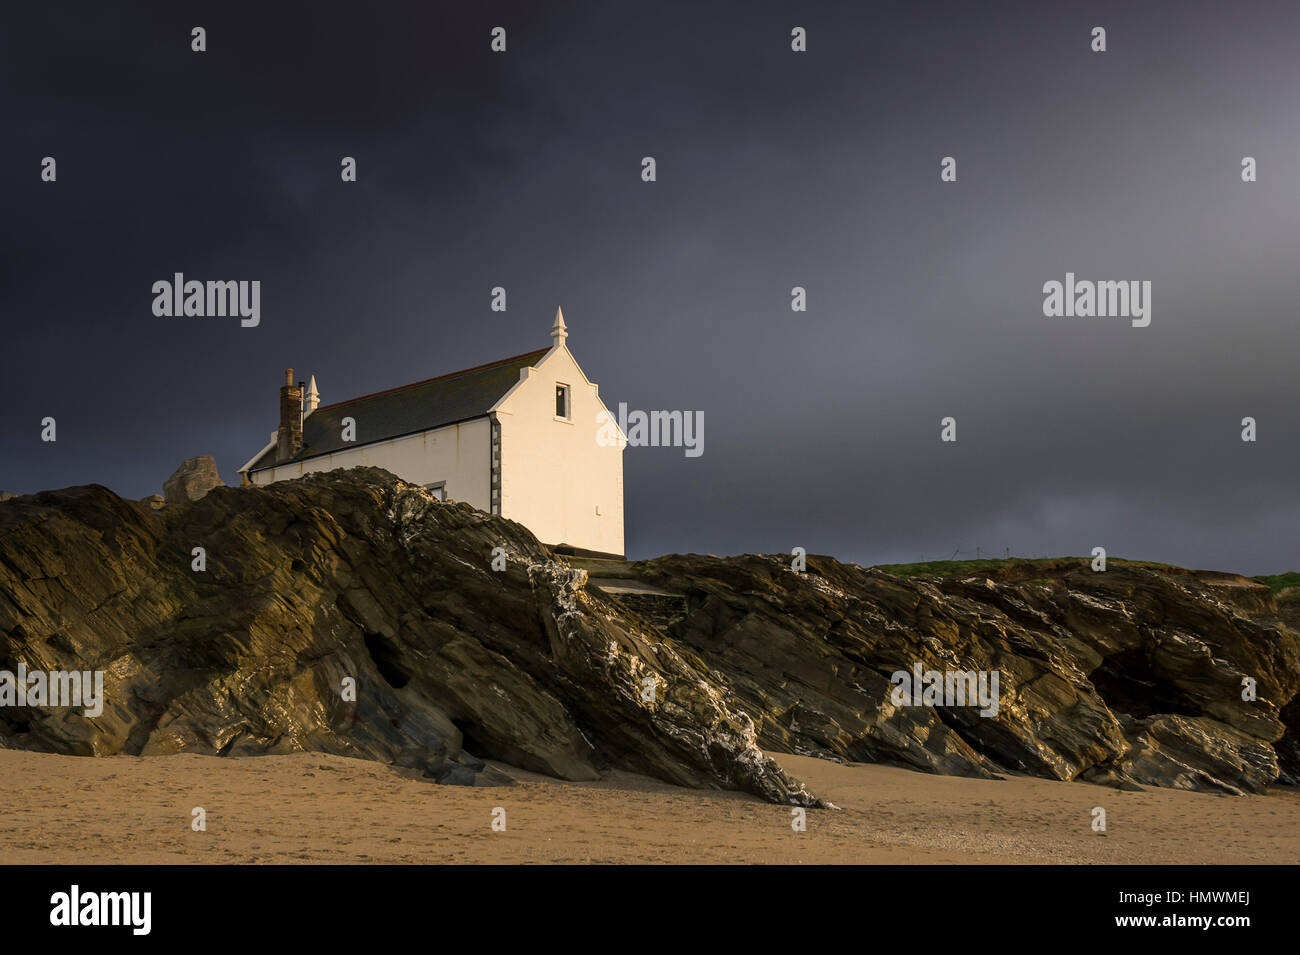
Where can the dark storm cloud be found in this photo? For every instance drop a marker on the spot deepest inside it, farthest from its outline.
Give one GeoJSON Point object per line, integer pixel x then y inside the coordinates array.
{"type": "Point", "coordinates": [775, 170]}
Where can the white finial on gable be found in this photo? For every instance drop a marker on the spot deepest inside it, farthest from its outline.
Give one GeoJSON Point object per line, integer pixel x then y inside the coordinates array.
{"type": "Point", "coordinates": [558, 330]}
{"type": "Point", "coordinates": [313, 396]}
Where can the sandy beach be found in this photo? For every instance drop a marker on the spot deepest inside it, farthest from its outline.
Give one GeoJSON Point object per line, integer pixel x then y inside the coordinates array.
{"type": "Point", "coordinates": [309, 808]}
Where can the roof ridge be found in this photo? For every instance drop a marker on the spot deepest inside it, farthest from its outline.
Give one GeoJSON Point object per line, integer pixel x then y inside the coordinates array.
{"type": "Point", "coordinates": [428, 381]}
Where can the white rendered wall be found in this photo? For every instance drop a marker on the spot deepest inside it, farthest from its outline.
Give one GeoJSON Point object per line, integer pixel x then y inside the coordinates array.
{"type": "Point", "coordinates": [556, 479]}
{"type": "Point", "coordinates": [458, 454]}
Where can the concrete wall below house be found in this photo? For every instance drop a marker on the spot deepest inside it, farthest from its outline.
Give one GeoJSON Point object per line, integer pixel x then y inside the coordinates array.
{"type": "Point", "coordinates": [458, 454]}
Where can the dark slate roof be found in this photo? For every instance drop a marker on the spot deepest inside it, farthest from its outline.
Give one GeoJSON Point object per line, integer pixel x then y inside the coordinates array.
{"type": "Point", "coordinates": [434, 403]}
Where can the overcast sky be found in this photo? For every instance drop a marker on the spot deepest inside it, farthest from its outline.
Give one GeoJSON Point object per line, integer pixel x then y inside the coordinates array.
{"type": "Point", "coordinates": [775, 169]}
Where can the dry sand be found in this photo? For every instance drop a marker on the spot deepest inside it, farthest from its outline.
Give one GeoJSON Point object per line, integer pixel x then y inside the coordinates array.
{"type": "Point", "coordinates": [320, 809]}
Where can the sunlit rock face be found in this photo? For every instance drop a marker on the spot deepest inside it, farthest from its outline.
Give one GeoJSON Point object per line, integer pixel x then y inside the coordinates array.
{"type": "Point", "coordinates": [1137, 674]}
{"type": "Point", "coordinates": [351, 613]}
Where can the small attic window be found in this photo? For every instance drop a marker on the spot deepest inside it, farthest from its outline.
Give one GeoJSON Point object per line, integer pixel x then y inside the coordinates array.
{"type": "Point", "coordinates": [562, 401]}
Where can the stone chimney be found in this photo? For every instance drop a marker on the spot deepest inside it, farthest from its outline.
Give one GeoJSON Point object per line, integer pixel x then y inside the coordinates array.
{"type": "Point", "coordinates": [289, 437]}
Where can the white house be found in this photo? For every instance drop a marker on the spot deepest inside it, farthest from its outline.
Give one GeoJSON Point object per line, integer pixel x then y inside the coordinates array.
{"type": "Point", "coordinates": [517, 437]}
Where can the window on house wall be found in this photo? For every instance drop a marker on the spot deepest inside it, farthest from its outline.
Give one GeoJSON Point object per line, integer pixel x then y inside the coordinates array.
{"type": "Point", "coordinates": [439, 490]}
{"type": "Point", "coordinates": [562, 401]}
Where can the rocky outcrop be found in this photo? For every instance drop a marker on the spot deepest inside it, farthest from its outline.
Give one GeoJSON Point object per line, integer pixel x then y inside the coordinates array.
{"type": "Point", "coordinates": [192, 480]}
{"type": "Point", "coordinates": [351, 613]}
{"type": "Point", "coordinates": [155, 502]}
{"type": "Point", "coordinates": [1131, 675]}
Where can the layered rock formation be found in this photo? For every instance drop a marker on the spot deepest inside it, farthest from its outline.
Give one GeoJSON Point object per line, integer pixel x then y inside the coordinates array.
{"type": "Point", "coordinates": [349, 576]}
{"type": "Point", "coordinates": [191, 481]}
{"type": "Point", "coordinates": [1132, 675]}
{"type": "Point", "coordinates": [684, 668]}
